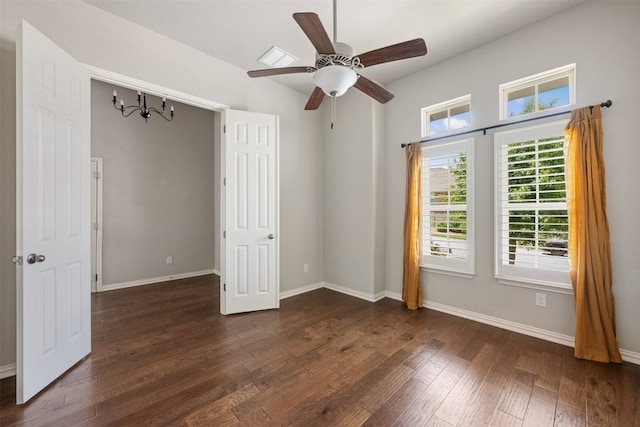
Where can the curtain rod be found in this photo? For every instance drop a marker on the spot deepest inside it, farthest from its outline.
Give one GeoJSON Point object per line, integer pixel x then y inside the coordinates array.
{"type": "Point", "coordinates": [608, 103]}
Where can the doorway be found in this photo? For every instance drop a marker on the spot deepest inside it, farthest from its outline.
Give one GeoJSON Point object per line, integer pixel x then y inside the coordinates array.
{"type": "Point", "coordinates": [159, 179]}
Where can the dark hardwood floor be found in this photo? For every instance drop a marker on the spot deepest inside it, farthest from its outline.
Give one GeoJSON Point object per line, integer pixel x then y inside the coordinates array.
{"type": "Point", "coordinates": [163, 355]}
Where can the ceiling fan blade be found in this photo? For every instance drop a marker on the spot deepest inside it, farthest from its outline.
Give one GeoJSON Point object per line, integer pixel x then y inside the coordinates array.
{"type": "Point", "coordinates": [277, 71]}
{"type": "Point", "coordinates": [315, 99]}
{"type": "Point", "coordinates": [374, 90]}
{"type": "Point", "coordinates": [408, 49]}
{"type": "Point", "coordinates": [312, 27]}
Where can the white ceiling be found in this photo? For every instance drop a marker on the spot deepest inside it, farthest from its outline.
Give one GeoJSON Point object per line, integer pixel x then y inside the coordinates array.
{"type": "Point", "coordinates": [240, 31]}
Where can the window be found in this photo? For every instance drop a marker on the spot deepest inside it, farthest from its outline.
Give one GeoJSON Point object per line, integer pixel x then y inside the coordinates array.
{"type": "Point", "coordinates": [447, 207]}
{"type": "Point", "coordinates": [531, 214]}
{"type": "Point", "coordinates": [446, 116]}
{"type": "Point", "coordinates": [551, 89]}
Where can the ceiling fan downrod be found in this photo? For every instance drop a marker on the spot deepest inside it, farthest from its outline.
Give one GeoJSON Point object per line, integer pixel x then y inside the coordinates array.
{"type": "Point", "coordinates": [335, 21]}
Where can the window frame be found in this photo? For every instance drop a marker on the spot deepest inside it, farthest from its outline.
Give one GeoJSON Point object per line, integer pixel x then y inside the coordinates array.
{"type": "Point", "coordinates": [445, 264]}
{"type": "Point", "coordinates": [447, 106]}
{"type": "Point", "coordinates": [535, 81]}
{"type": "Point", "coordinates": [537, 278]}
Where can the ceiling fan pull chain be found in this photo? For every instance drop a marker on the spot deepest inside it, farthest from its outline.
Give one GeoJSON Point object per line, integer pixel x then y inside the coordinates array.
{"type": "Point", "coordinates": [333, 111]}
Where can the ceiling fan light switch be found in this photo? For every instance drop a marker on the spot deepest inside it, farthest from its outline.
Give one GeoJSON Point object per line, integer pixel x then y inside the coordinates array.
{"type": "Point", "coordinates": [276, 57]}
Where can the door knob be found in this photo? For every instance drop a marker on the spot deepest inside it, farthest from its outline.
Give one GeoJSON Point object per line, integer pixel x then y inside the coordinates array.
{"type": "Point", "coordinates": [33, 258]}
{"type": "Point", "coordinates": [271, 237]}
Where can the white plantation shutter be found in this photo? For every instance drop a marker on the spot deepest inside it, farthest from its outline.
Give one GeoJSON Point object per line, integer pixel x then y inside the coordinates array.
{"type": "Point", "coordinates": [447, 207]}
{"type": "Point", "coordinates": [531, 211]}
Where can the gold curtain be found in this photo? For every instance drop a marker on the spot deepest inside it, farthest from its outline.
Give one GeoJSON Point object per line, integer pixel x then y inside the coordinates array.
{"type": "Point", "coordinates": [589, 244]}
{"type": "Point", "coordinates": [411, 287]}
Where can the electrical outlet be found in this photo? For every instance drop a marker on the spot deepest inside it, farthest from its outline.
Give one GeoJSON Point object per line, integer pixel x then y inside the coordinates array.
{"type": "Point", "coordinates": [169, 260]}
{"type": "Point", "coordinates": [305, 268]}
{"type": "Point", "coordinates": [541, 299]}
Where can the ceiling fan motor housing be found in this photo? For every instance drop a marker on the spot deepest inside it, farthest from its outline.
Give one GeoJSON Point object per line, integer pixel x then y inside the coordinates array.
{"type": "Point", "coordinates": [343, 56]}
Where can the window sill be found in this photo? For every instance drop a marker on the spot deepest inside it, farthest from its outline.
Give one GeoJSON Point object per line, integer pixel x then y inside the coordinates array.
{"type": "Point", "coordinates": [447, 272]}
{"type": "Point", "coordinates": [558, 288]}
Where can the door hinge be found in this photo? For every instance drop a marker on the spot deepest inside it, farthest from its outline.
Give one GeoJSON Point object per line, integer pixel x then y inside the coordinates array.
{"type": "Point", "coordinates": [95, 225]}
{"type": "Point", "coordinates": [224, 129]}
{"type": "Point", "coordinates": [224, 234]}
{"type": "Point", "coordinates": [224, 181]}
{"type": "Point", "coordinates": [96, 175]}
{"type": "Point", "coordinates": [17, 260]}
{"type": "Point", "coordinates": [96, 278]}
{"type": "Point", "coordinates": [224, 287]}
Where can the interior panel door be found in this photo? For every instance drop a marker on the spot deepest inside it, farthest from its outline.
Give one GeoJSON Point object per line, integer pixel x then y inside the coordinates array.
{"type": "Point", "coordinates": [53, 212]}
{"type": "Point", "coordinates": [249, 214]}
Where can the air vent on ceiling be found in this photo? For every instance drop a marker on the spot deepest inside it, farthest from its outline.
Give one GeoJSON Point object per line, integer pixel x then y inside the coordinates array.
{"type": "Point", "coordinates": [276, 57]}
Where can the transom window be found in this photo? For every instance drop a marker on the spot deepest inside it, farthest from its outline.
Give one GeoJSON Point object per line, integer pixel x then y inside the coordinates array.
{"type": "Point", "coordinates": [551, 89]}
{"type": "Point", "coordinates": [531, 222]}
{"type": "Point", "coordinates": [446, 116]}
{"type": "Point", "coordinates": [447, 207]}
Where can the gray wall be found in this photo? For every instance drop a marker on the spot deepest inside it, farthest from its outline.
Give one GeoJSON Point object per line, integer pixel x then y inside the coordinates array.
{"type": "Point", "coordinates": [158, 188]}
{"type": "Point", "coordinates": [97, 38]}
{"type": "Point", "coordinates": [353, 195]}
{"type": "Point", "coordinates": [607, 63]}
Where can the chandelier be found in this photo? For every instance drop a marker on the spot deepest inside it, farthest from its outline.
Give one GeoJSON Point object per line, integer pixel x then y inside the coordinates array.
{"type": "Point", "coordinates": [145, 111]}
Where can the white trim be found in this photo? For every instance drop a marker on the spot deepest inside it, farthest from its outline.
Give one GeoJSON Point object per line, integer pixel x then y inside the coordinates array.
{"type": "Point", "coordinates": [503, 324]}
{"type": "Point", "coordinates": [440, 270]}
{"type": "Point", "coordinates": [558, 288]}
{"type": "Point", "coordinates": [216, 272]}
{"type": "Point", "coordinates": [569, 341]}
{"type": "Point", "coordinates": [358, 294]}
{"type": "Point", "coordinates": [301, 290]}
{"type": "Point", "coordinates": [7, 371]}
{"type": "Point", "coordinates": [100, 221]}
{"type": "Point", "coordinates": [393, 295]}
{"type": "Point", "coordinates": [443, 106]}
{"type": "Point", "coordinates": [152, 280]}
{"type": "Point", "coordinates": [107, 76]}
{"type": "Point", "coordinates": [445, 263]}
{"type": "Point", "coordinates": [569, 70]}
{"type": "Point", "coordinates": [630, 356]}
{"type": "Point", "coordinates": [507, 273]}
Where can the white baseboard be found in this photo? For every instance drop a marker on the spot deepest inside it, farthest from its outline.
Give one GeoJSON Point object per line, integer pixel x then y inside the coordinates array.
{"type": "Point", "coordinates": [630, 356]}
{"type": "Point", "coordinates": [358, 294]}
{"type": "Point", "coordinates": [301, 290]}
{"type": "Point", "coordinates": [142, 282]}
{"type": "Point", "coordinates": [7, 371]}
{"type": "Point", "coordinates": [216, 272]}
{"type": "Point", "coordinates": [569, 341]}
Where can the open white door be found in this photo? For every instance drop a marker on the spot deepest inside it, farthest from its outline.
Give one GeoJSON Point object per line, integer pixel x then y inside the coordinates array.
{"type": "Point", "coordinates": [249, 258]}
{"type": "Point", "coordinates": [53, 212]}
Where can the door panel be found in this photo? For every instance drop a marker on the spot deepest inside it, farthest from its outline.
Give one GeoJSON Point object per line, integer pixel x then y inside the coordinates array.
{"type": "Point", "coordinates": [249, 255]}
{"type": "Point", "coordinates": [53, 212]}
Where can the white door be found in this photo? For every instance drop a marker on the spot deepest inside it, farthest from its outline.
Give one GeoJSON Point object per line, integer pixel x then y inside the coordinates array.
{"type": "Point", "coordinates": [53, 202]}
{"type": "Point", "coordinates": [249, 262]}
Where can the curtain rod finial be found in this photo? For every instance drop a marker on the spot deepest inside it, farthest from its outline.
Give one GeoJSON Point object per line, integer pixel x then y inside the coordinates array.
{"type": "Point", "coordinates": [608, 103]}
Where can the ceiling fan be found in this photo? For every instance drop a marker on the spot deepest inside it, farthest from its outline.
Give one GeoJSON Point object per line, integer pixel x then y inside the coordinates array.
{"type": "Point", "coordinates": [337, 68]}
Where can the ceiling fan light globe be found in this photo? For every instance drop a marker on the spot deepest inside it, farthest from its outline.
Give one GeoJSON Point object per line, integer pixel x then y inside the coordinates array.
{"type": "Point", "coordinates": [334, 80]}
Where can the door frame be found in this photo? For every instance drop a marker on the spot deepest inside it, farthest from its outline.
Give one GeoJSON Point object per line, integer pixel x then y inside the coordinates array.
{"type": "Point", "coordinates": [107, 76]}
{"type": "Point", "coordinates": [96, 245]}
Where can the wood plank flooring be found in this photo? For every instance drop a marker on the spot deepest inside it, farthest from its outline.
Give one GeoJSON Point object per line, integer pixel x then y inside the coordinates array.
{"type": "Point", "coordinates": [163, 355]}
